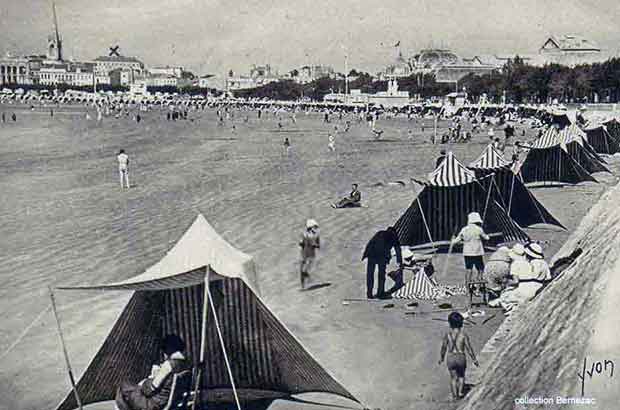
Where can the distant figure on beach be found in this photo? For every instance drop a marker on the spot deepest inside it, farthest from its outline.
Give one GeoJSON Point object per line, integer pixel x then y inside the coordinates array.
{"type": "Point", "coordinates": [378, 253]}
{"type": "Point", "coordinates": [153, 392]}
{"type": "Point", "coordinates": [3, 117]}
{"type": "Point", "coordinates": [51, 112]}
{"type": "Point", "coordinates": [14, 117]}
{"type": "Point", "coordinates": [287, 145]}
{"type": "Point", "coordinates": [309, 243]}
{"type": "Point", "coordinates": [332, 143]}
{"type": "Point", "coordinates": [440, 158]}
{"type": "Point", "coordinates": [472, 236]}
{"type": "Point", "coordinates": [354, 200]}
{"type": "Point", "coordinates": [455, 343]}
{"type": "Point", "coordinates": [123, 167]}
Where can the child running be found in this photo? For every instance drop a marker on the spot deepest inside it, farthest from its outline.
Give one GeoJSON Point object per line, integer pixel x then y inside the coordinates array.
{"type": "Point", "coordinates": [453, 346]}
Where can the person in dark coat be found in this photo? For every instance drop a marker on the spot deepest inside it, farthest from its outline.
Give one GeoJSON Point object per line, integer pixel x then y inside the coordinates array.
{"type": "Point", "coordinates": [378, 254]}
{"type": "Point", "coordinates": [153, 392]}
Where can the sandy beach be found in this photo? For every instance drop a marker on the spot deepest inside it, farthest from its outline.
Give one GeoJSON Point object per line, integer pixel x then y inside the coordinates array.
{"type": "Point", "coordinates": [65, 221]}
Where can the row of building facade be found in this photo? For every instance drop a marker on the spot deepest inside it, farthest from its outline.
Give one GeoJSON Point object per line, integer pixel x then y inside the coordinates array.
{"type": "Point", "coordinates": [568, 50]}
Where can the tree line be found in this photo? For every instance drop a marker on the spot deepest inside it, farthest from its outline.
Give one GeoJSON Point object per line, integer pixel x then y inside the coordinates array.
{"type": "Point", "coordinates": [516, 82]}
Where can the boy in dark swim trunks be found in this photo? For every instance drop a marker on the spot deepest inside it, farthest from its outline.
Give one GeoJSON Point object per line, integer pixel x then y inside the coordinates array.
{"type": "Point", "coordinates": [454, 344]}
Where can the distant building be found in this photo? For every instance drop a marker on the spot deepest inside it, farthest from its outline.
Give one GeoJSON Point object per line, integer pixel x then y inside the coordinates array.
{"type": "Point", "coordinates": [54, 41]}
{"type": "Point", "coordinates": [390, 98]}
{"type": "Point", "coordinates": [167, 71]}
{"type": "Point", "coordinates": [307, 74]}
{"type": "Point", "coordinates": [105, 64]}
{"type": "Point", "coordinates": [398, 69]}
{"type": "Point", "coordinates": [75, 74]}
{"type": "Point", "coordinates": [121, 77]}
{"type": "Point", "coordinates": [569, 50]}
{"type": "Point", "coordinates": [259, 76]}
{"type": "Point", "coordinates": [203, 81]}
{"type": "Point", "coordinates": [162, 81]}
{"type": "Point", "coordinates": [14, 71]}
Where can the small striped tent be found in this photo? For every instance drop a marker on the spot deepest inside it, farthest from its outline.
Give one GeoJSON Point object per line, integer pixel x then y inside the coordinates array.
{"type": "Point", "coordinates": [601, 140]}
{"type": "Point", "coordinates": [419, 287]}
{"type": "Point", "coordinates": [613, 127]}
{"type": "Point", "coordinates": [548, 160]}
{"type": "Point", "coordinates": [521, 204]}
{"type": "Point", "coordinates": [440, 209]}
{"type": "Point", "coordinates": [266, 361]}
{"type": "Point", "coordinates": [576, 143]}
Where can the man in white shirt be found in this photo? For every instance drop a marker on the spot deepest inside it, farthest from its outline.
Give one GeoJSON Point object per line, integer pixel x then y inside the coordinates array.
{"type": "Point", "coordinates": [123, 167]}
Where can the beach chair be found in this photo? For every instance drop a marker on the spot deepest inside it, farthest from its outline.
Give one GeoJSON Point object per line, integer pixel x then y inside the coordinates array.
{"type": "Point", "coordinates": [479, 287]}
{"type": "Point", "coordinates": [180, 391]}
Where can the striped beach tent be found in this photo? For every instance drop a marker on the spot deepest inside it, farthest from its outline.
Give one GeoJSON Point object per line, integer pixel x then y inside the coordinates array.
{"type": "Point", "coordinates": [576, 143]}
{"type": "Point", "coordinates": [440, 209]}
{"type": "Point", "coordinates": [613, 127]}
{"type": "Point", "coordinates": [548, 160]}
{"type": "Point", "coordinates": [205, 291]}
{"type": "Point", "coordinates": [517, 199]}
{"type": "Point", "coordinates": [601, 139]}
{"type": "Point", "coordinates": [419, 287]}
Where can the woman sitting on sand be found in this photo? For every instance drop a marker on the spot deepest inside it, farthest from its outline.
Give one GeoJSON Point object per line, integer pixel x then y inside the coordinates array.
{"type": "Point", "coordinates": [528, 278]}
{"type": "Point", "coordinates": [153, 392]}
{"type": "Point", "coordinates": [453, 346]}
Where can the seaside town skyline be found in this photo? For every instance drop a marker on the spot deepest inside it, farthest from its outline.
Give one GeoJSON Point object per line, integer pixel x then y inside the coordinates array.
{"type": "Point", "coordinates": [235, 36]}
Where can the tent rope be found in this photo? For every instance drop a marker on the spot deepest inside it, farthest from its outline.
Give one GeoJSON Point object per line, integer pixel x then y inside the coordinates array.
{"type": "Point", "coordinates": [428, 231]}
{"type": "Point", "coordinates": [219, 334]}
{"type": "Point", "coordinates": [25, 331]}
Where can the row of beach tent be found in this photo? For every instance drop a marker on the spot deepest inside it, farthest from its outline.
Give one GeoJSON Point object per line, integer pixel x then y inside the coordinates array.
{"type": "Point", "coordinates": [499, 190]}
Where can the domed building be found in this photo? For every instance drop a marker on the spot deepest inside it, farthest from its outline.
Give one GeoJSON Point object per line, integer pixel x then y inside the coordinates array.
{"type": "Point", "coordinates": [433, 59]}
{"type": "Point", "coordinates": [399, 68]}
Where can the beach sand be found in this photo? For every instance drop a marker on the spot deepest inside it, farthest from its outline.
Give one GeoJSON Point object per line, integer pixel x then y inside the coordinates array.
{"type": "Point", "coordinates": [65, 221]}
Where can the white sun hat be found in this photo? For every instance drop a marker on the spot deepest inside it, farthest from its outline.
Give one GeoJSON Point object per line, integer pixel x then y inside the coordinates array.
{"type": "Point", "coordinates": [474, 218]}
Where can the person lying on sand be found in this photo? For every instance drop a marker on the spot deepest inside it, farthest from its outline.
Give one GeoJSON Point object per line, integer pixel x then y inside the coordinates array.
{"type": "Point", "coordinates": [354, 200]}
{"type": "Point", "coordinates": [454, 344]}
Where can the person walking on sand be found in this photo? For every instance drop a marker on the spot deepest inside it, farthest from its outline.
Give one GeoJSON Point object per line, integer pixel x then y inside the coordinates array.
{"type": "Point", "coordinates": [332, 143]}
{"type": "Point", "coordinates": [123, 167]}
{"type": "Point", "coordinates": [472, 236]}
{"type": "Point", "coordinates": [454, 344]}
{"type": "Point", "coordinates": [287, 145]}
{"type": "Point", "coordinates": [309, 243]}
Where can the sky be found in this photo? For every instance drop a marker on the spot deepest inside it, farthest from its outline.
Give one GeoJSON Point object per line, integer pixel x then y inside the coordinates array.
{"type": "Point", "coordinates": [213, 36]}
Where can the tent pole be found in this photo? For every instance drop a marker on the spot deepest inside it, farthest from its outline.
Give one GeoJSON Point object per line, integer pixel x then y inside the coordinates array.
{"type": "Point", "coordinates": [219, 334]}
{"type": "Point", "coordinates": [428, 231]}
{"type": "Point", "coordinates": [486, 205]}
{"type": "Point", "coordinates": [203, 337]}
{"type": "Point", "coordinates": [512, 190]}
{"type": "Point", "coordinates": [64, 350]}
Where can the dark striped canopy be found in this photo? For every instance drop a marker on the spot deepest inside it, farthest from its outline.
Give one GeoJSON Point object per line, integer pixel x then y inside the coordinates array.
{"type": "Point", "coordinates": [267, 361]}
{"type": "Point", "coordinates": [451, 173]}
{"type": "Point", "coordinates": [601, 140]}
{"type": "Point", "coordinates": [440, 210]}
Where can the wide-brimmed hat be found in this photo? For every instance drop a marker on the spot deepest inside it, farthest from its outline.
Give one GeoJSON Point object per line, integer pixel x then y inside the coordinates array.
{"type": "Point", "coordinates": [474, 218]}
{"type": "Point", "coordinates": [534, 251]}
{"type": "Point", "coordinates": [517, 251]}
{"type": "Point", "coordinates": [311, 223]}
